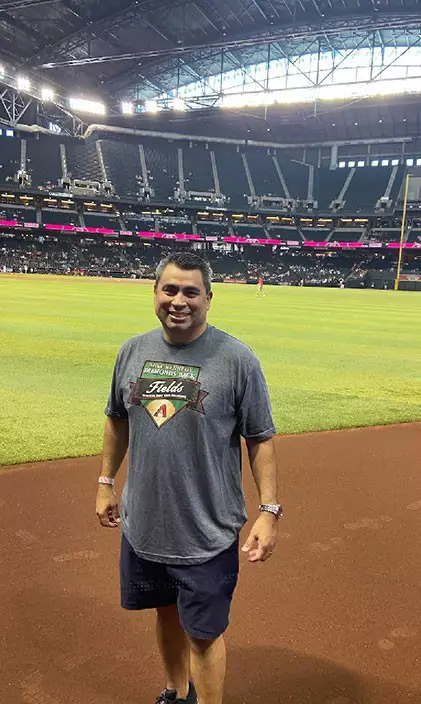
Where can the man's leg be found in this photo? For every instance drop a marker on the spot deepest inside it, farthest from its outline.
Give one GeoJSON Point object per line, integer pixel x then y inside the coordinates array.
{"type": "Point", "coordinates": [174, 649]}
{"type": "Point", "coordinates": [208, 668]}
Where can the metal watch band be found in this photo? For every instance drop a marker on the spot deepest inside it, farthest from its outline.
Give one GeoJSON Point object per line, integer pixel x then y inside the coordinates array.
{"type": "Point", "coordinates": [276, 509]}
{"type": "Point", "coordinates": [106, 480]}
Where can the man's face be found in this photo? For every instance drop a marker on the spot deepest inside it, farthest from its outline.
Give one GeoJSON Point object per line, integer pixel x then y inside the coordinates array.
{"type": "Point", "coordinates": [181, 303]}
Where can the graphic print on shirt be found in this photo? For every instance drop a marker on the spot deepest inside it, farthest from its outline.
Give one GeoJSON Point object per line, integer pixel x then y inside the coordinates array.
{"type": "Point", "coordinates": [164, 389]}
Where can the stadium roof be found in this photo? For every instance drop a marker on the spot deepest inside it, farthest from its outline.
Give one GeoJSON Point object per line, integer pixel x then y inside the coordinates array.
{"type": "Point", "coordinates": [170, 43]}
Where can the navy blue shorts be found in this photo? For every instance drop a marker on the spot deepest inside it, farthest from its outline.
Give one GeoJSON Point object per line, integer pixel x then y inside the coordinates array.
{"type": "Point", "coordinates": [203, 593]}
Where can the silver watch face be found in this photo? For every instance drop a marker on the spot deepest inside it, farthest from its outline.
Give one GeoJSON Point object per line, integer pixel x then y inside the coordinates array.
{"type": "Point", "coordinates": [276, 509]}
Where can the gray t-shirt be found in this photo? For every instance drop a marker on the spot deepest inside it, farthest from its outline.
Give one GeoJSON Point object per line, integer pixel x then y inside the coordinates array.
{"type": "Point", "coordinates": [187, 407]}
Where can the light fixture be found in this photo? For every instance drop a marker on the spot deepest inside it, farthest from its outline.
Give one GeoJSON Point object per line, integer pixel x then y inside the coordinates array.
{"type": "Point", "coordinates": [23, 83]}
{"type": "Point", "coordinates": [127, 108]}
{"type": "Point", "coordinates": [2, 71]}
{"type": "Point", "coordinates": [47, 95]}
{"type": "Point", "coordinates": [179, 104]}
{"type": "Point", "coordinates": [151, 106]}
{"type": "Point", "coordinates": [90, 106]}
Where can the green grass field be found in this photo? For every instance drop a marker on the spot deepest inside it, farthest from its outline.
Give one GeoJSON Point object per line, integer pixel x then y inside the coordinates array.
{"type": "Point", "coordinates": [332, 358]}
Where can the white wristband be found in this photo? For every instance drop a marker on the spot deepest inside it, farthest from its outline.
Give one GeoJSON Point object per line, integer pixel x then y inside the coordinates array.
{"type": "Point", "coordinates": [106, 480]}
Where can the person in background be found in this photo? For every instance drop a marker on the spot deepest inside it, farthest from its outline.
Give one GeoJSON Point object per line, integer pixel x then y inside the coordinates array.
{"type": "Point", "coordinates": [260, 291]}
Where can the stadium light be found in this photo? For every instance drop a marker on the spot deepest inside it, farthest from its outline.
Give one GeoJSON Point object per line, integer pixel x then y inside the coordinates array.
{"type": "Point", "coordinates": [2, 71]}
{"type": "Point", "coordinates": [23, 83]}
{"type": "Point", "coordinates": [89, 106]}
{"type": "Point", "coordinates": [47, 95]}
{"type": "Point", "coordinates": [151, 106]}
{"type": "Point", "coordinates": [179, 104]}
{"type": "Point", "coordinates": [127, 108]}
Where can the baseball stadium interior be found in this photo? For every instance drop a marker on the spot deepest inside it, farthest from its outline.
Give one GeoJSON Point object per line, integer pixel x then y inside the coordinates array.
{"type": "Point", "coordinates": [280, 139]}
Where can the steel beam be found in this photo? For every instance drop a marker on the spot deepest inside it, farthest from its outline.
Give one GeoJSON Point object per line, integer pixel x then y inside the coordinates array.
{"type": "Point", "coordinates": [295, 35]}
{"type": "Point", "coordinates": [293, 63]}
{"type": "Point", "coordinates": [130, 11]}
{"type": "Point", "coordinates": [28, 30]}
{"type": "Point", "coordinates": [243, 70]}
{"type": "Point", "coordinates": [383, 69]}
{"type": "Point", "coordinates": [15, 105]}
{"type": "Point", "coordinates": [260, 10]}
{"type": "Point", "coordinates": [345, 58]}
{"type": "Point", "coordinates": [205, 16]}
{"type": "Point", "coordinates": [246, 11]}
{"type": "Point", "coordinates": [292, 42]}
{"type": "Point", "coordinates": [22, 4]}
{"type": "Point", "coordinates": [210, 6]}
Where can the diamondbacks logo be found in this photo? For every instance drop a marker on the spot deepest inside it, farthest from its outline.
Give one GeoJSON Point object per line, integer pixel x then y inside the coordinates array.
{"type": "Point", "coordinates": [164, 389]}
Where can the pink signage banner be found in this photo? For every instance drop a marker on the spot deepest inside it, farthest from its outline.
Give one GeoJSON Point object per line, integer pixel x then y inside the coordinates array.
{"type": "Point", "coordinates": [408, 245]}
{"type": "Point", "coordinates": [252, 240]}
{"type": "Point", "coordinates": [168, 236]}
{"type": "Point", "coordinates": [15, 223]}
{"type": "Point", "coordinates": [198, 238]}
{"type": "Point", "coordinates": [88, 230]}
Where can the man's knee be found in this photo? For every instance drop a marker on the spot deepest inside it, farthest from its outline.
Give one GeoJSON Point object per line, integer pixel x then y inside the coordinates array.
{"type": "Point", "coordinates": [202, 645]}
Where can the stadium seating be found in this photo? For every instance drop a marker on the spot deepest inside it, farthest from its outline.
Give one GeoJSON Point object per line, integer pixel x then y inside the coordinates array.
{"type": "Point", "coordinates": [228, 264]}
{"type": "Point", "coordinates": [248, 230]}
{"type": "Point", "coordinates": [43, 160]}
{"type": "Point", "coordinates": [367, 185]}
{"type": "Point", "coordinates": [386, 234]}
{"type": "Point", "coordinates": [99, 220]}
{"type": "Point", "coordinates": [264, 175]}
{"type": "Point", "coordinates": [162, 165]}
{"type": "Point", "coordinates": [123, 168]}
{"type": "Point", "coordinates": [397, 183]}
{"type": "Point", "coordinates": [122, 164]}
{"type": "Point", "coordinates": [9, 157]}
{"type": "Point", "coordinates": [137, 222]}
{"type": "Point", "coordinates": [232, 175]}
{"type": "Point", "coordinates": [284, 233]}
{"type": "Point", "coordinates": [82, 160]}
{"type": "Point", "coordinates": [317, 234]}
{"type": "Point", "coordinates": [95, 256]}
{"type": "Point", "coordinates": [296, 177]}
{"type": "Point", "coordinates": [197, 168]}
{"type": "Point", "coordinates": [346, 235]}
{"type": "Point", "coordinates": [20, 213]}
{"type": "Point", "coordinates": [327, 186]}
{"type": "Point", "coordinates": [60, 217]}
{"type": "Point", "coordinates": [414, 235]}
{"type": "Point", "coordinates": [214, 229]}
{"type": "Point", "coordinates": [180, 227]}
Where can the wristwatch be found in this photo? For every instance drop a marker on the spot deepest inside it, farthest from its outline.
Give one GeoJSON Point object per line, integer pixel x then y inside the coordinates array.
{"type": "Point", "coordinates": [276, 509]}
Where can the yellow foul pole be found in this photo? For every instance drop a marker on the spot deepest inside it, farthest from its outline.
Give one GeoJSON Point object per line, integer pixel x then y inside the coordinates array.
{"type": "Point", "coordinates": [405, 203]}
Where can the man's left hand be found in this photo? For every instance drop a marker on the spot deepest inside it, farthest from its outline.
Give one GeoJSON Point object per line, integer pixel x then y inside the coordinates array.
{"type": "Point", "coordinates": [264, 533]}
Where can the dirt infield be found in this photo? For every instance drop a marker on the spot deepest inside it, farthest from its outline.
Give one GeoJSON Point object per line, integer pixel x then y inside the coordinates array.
{"type": "Point", "coordinates": [333, 618]}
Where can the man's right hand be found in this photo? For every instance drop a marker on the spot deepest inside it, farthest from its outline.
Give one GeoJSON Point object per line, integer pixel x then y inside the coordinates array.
{"type": "Point", "coordinates": [107, 506]}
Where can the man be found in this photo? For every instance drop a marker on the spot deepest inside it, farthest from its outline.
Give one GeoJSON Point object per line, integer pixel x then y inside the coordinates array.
{"type": "Point", "coordinates": [181, 398]}
{"type": "Point", "coordinates": [260, 287]}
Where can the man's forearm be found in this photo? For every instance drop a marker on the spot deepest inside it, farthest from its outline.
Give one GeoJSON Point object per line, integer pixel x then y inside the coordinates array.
{"type": "Point", "coordinates": [265, 472]}
{"type": "Point", "coordinates": [116, 441]}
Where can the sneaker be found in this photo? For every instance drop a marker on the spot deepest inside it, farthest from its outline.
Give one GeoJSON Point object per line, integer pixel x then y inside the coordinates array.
{"type": "Point", "coordinates": [169, 696]}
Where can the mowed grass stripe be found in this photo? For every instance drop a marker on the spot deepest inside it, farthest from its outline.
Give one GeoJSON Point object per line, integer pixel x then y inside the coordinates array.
{"type": "Point", "coordinates": [332, 358]}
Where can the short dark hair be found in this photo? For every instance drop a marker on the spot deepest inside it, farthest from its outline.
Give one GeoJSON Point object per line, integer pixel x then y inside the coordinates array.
{"type": "Point", "coordinates": [188, 261]}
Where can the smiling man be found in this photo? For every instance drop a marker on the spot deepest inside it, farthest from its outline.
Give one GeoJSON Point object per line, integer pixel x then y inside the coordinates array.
{"type": "Point", "coordinates": [182, 397]}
